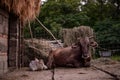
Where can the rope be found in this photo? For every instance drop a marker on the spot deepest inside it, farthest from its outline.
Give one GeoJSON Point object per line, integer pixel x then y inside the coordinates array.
{"type": "Point", "coordinates": [31, 34]}
{"type": "Point", "coordinates": [48, 32]}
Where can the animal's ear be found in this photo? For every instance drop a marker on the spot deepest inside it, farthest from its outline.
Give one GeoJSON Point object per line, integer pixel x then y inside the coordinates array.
{"type": "Point", "coordinates": [94, 44]}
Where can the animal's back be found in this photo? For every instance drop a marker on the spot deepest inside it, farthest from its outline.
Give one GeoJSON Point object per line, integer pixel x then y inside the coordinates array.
{"type": "Point", "coordinates": [63, 56]}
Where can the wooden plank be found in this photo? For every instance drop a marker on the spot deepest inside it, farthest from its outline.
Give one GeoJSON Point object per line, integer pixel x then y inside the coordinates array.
{"type": "Point", "coordinates": [13, 42]}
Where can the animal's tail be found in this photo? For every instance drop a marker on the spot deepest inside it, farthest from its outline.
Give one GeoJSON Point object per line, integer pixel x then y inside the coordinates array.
{"type": "Point", "coordinates": [50, 60]}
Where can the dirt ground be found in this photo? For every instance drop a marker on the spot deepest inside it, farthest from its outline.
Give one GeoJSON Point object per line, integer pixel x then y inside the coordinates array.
{"type": "Point", "coordinates": [101, 69]}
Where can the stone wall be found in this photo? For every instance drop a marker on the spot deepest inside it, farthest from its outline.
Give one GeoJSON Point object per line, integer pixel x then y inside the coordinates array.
{"type": "Point", "coordinates": [3, 41]}
{"type": "Point", "coordinates": [9, 41]}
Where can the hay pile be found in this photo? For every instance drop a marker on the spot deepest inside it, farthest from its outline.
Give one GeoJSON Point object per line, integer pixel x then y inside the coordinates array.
{"type": "Point", "coordinates": [70, 35]}
{"type": "Point", "coordinates": [41, 45]}
{"type": "Point", "coordinates": [24, 9]}
{"type": "Point", "coordinates": [40, 48]}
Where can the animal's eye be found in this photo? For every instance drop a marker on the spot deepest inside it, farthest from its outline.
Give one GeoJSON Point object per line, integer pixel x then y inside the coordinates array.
{"type": "Point", "coordinates": [91, 42]}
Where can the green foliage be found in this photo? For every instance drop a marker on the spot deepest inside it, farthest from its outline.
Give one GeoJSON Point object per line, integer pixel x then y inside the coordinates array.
{"type": "Point", "coordinates": [116, 58]}
{"type": "Point", "coordinates": [59, 12]}
{"type": "Point", "coordinates": [55, 29]}
{"type": "Point", "coordinates": [62, 14]}
{"type": "Point", "coordinates": [26, 32]}
{"type": "Point", "coordinates": [107, 31]}
{"type": "Point", "coordinates": [102, 15]}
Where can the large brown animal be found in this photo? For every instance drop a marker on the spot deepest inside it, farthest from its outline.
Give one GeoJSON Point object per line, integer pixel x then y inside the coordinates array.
{"type": "Point", "coordinates": [73, 56]}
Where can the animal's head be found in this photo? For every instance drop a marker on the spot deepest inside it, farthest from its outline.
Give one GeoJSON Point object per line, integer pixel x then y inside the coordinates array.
{"type": "Point", "coordinates": [85, 43]}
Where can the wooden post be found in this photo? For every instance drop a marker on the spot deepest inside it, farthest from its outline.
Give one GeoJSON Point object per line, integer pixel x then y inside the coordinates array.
{"type": "Point", "coordinates": [13, 41]}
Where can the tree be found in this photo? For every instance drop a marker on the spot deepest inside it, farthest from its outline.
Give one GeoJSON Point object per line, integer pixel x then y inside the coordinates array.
{"type": "Point", "coordinates": [62, 14]}
{"type": "Point", "coordinates": [107, 31]}
{"type": "Point", "coordinates": [102, 15]}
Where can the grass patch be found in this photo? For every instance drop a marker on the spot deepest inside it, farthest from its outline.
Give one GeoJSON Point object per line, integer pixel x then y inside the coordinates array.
{"type": "Point", "coordinates": [116, 57]}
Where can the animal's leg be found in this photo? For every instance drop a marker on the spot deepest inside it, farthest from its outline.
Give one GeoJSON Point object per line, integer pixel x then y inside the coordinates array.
{"type": "Point", "coordinates": [75, 63]}
{"type": "Point", "coordinates": [70, 65]}
{"type": "Point", "coordinates": [87, 62]}
{"type": "Point", "coordinates": [50, 61]}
